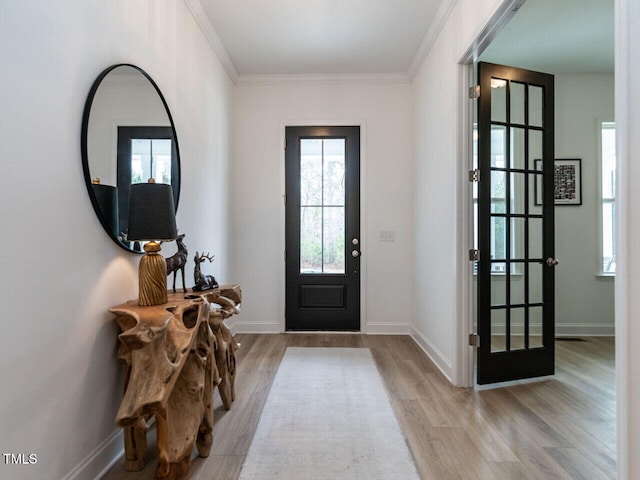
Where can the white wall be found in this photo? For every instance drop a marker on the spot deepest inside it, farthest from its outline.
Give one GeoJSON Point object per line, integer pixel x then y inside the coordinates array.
{"type": "Point", "coordinates": [257, 206]}
{"type": "Point", "coordinates": [61, 381]}
{"type": "Point", "coordinates": [439, 248]}
{"type": "Point", "coordinates": [584, 301]}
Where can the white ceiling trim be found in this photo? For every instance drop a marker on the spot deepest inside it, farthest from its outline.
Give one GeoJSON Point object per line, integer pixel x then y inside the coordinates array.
{"type": "Point", "coordinates": [320, 79]}
{"type": "Point", "coordinates": [212, 37]}
{"type": "Point", "coordinates": [442, 14]}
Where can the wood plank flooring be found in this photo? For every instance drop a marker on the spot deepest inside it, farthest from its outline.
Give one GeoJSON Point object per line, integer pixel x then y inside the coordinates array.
{"type": "Point", "coordinates": [562, 428]}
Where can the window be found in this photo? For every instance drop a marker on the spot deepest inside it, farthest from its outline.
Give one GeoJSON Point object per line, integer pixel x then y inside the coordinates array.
{"type": "Point", "coordinates": [608, 192]}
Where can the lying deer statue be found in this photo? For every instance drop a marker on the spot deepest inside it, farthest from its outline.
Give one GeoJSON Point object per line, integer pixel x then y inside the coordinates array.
{"type": "Point", "coordinates": [203, 282]}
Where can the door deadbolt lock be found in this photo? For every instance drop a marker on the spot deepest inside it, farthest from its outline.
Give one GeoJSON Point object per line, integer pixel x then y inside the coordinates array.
{"type": "Point", "coordinates": [355, 253]}
{"type": "Point", "coordinates": [552, 262]}
{"type": "Point", "coordinates": [355, 241]}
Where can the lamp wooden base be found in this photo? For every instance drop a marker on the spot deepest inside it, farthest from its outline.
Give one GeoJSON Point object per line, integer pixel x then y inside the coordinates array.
{"type": "Point", "coordinates": [152, 277]}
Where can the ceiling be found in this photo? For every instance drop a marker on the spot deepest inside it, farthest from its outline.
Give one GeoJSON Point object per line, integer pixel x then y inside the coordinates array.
{"type": "Point", "coordinates": [557, 36]}
{"type": "Point", "coordinates": [349, 37]}
{"type": "Point", "coordinates": [294, 37]}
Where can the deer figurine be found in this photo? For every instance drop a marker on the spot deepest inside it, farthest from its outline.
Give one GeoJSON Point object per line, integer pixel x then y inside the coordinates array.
{"type": "Point", "coordinates": [203, 282]}
{"type": "Point", "coordinates": [177, 262]}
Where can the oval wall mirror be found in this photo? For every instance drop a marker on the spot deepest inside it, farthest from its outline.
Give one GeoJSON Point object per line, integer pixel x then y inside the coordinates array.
{"type": "Point", "coordinates": [128, 136]}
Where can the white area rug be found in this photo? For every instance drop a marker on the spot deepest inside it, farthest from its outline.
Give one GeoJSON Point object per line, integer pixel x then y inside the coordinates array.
{"type": "Point", "coordinates": [328, 417]}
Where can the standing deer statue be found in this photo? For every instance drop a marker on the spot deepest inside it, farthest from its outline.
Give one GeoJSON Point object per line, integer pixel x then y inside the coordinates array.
{"type": "Point", "coordinates": [203, 282]}
{"type": "Point", "coordinates": [177, 262]}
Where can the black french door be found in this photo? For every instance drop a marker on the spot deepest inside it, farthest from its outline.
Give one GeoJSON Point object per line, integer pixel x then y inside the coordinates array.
{"type": "Point", "coordinates": [515, 224]}
{"type": "Point", "coordinates": [322, 175]}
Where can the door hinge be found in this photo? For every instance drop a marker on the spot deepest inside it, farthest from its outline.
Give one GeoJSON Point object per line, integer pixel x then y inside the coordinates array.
{"type": "Point", "coordinates": [474, 176]}
{"type": "Point", "coordinates": [474, 340]}
{"type": "Point", "coordinates": [474, 92]}
{"type": "Point", "coordinates": [474, 255]}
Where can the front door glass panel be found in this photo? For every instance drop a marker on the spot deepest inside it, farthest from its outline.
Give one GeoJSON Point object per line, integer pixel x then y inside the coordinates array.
{"type": "Point", "coordinates": [322, 206]}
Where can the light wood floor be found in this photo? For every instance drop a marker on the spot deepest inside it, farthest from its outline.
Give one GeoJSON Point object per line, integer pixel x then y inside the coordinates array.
{"type": "Point", "coordinates": [563, 428]}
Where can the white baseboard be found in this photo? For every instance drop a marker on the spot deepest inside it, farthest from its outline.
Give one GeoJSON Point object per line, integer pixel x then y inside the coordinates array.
{"type": "Point", "coordinates": [387, 329]}
{"type": "Point", "coordinates": [273, 327]}
{"type": "Point", "coordinates": [100, 460]}
{"type": "Point", "coordinates": [232, 323]}
{"type": "Point", "coordinates": [585, 330]}
{"type": "Point", "coordinates": [436, 356]}
{"type": "Point", "coordinates": [256, 327]}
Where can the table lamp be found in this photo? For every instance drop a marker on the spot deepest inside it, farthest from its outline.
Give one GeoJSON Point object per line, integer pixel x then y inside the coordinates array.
{"type": "Point", "coordinates": [152, 218]}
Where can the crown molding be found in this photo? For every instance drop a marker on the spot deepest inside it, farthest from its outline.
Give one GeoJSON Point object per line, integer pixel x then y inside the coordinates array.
{"type": "Point", "coordinates": [195, 7]}
{"type": "Point", "coordinates": [440, 18]}
{"type": "Point", "coordinates": [324, 79]}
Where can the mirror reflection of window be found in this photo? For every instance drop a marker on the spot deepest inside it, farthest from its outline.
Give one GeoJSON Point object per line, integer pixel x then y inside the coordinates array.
{"type": "Point", "coordinates": [150, 158]}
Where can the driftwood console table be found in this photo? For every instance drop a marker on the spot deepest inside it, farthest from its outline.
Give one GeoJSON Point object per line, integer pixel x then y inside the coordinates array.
{"type": "Point", "coordinates": [175, 355]}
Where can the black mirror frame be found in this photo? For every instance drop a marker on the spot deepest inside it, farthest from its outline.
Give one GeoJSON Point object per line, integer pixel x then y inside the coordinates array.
{"type": "Point", "coordinates": [85, 153]}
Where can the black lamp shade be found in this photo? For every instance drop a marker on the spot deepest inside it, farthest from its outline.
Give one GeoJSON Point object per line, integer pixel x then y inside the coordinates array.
{"type": "Point", "coordinates": [107, 198]}
{"type": "Point", "coordinates": [151, 212]}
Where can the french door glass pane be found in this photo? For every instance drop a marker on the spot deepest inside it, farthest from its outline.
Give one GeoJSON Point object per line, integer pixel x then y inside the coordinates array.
{"type": "Point", "coordinates": [535, 238]}
{"type": "Point", "coordinates": [516, 282]}
{"type": "Point", "coordinates": [535, 149]}
{"type": "Point", "coordinates": [498, 291]}
{"type": "Point", "coordinates": [535, 327]}
{"type": "Point", "coordinates": [517, 238]}
{"type": "Point", "coordinates": [535, 106]}
{"type": "Point", "coordinates": [322, 206]}
{"type": "Point", "coordinates": [535, 282]}
{"type": "Point", "coordinates": [517, 193]}
{"type": "Point", "coordinates": [517, 147]}
{"type": "Point", "coordinates": [517, 329]}
{"type": "Point", "coordinates": [498, 100]}
{"type": "Point", "coordinates": [498, 330]}
{"type": "Point", "coordinates": [498, 146]}
{"type": "Point", "coordinates": [517, 102]}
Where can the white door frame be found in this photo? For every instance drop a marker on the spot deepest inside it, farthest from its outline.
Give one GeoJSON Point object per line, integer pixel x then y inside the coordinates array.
{"type": "Point", "coordinates": [464, 353]}
{"type": "Point", "coordinates": [364, 324]}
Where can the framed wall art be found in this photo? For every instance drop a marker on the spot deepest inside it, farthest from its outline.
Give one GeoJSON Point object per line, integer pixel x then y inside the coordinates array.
{"type": "Point", "coordinates": [567, 181]}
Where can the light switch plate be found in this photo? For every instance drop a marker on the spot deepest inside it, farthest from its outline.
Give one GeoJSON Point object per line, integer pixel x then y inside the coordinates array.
{"type": "Point", "coordinates": [387, 236]}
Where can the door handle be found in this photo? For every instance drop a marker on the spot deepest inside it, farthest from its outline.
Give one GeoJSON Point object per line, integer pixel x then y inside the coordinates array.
{"type": "Point", "coordinates": [355, 253]}
{"type": "Point", "coordinates": [552, 262]}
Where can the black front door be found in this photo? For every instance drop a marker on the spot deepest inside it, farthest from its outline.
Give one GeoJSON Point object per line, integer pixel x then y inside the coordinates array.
{"type": "Point", "coordinates": [322, 228]}
{"type": "Point", "coordinates": [515, 224]}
